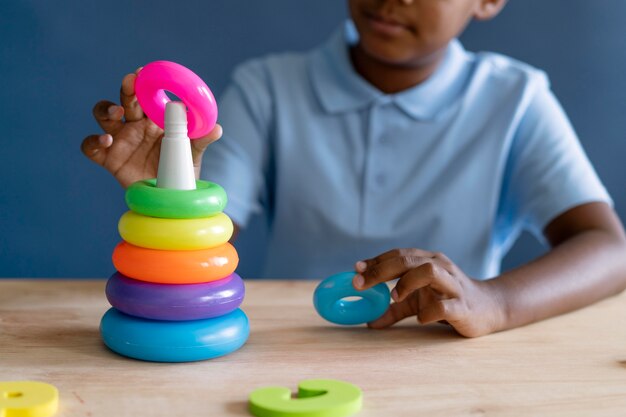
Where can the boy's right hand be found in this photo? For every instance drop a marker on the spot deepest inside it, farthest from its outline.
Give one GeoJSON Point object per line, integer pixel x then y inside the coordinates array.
{"type": "Point", "coordinates": [130, 147]}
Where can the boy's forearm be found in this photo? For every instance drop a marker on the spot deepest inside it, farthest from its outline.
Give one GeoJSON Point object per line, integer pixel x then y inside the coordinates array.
{"type": "Point", "coordinates": [585, 268]}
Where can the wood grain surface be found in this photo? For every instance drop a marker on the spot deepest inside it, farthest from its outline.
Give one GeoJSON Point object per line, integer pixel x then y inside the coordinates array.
{"type": "Point", "coordinates": [574, 365]}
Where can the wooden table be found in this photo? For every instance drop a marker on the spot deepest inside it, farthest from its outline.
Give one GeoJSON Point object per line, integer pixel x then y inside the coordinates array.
{"type": "Point", "coordinates": [571, 365]}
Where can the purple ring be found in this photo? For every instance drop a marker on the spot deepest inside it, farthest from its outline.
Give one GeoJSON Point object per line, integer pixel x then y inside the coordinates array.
{"type": "Point", "coordinates": [175, 302]}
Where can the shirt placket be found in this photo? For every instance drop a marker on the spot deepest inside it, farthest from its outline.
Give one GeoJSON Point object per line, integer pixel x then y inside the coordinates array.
{"type": "Point", "coordinates": [375, 176]}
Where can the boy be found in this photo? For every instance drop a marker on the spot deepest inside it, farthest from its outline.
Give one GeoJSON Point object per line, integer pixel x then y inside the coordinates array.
{"type": "Point", "coordinates": [392, 135]}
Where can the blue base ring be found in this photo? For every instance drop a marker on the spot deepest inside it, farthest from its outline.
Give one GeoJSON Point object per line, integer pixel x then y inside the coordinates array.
{"type": "Point", "coordinates": [166, 341]}
{"type": "Point", "coordinates": [328, 302]}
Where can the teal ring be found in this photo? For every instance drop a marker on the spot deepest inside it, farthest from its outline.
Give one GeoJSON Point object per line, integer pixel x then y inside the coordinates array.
{"type": "Point", "coordinates": [329, 302]}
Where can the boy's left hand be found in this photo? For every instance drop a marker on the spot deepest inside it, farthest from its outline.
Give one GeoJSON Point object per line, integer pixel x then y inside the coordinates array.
{"type": "Point", "coordinates": [433, 288]}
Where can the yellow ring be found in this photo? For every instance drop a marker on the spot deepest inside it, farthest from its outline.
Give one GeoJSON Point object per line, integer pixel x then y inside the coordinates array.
{"type": "Point", "coordinates": [175, 234]}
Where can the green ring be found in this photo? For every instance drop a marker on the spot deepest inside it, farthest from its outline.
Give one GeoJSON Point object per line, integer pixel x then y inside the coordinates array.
{"type": "Point", "coordinates": [144, 197]}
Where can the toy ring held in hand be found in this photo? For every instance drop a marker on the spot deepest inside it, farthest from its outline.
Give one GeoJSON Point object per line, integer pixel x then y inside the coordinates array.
{"type": "Point", "coordinates": [157, 77]}
{"type": "Point", "coordinates": [169, 341]}
{"type": "Point", "coordinates": [179, 303]}
{"type": "Point", "coordinates": [144, 197]}
{"type": "Point", "coordinates": [175, 234]}
{"type": "Point", "coordinates": [329, 302]}
{"type": "Point", "coordinates": [175, 266]}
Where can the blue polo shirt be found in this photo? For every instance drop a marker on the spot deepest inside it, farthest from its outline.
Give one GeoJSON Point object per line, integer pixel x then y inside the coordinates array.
{"type": "Point", "coordinates": [461, 163]}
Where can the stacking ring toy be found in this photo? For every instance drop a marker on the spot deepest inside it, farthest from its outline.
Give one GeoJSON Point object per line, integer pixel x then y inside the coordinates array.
{"type": "Point", "coordinates": [157, 77]}
{"type": "Point", "coordinates": [175, 267]}
{"type": "Point", "coordinates": [174, 341]}
{"type": "Point", "coordinates": [175, 234]}
{"type": "Point", "coordinates": [329, 302]}
{"type": "Point", "coordinates": [144, 197]}
{"type": "Point", "coordinates": [175, 303]}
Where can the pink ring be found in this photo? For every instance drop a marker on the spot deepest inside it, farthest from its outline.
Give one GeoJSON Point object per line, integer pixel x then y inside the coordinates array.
{"type": "Point", "coordinates": [158, 76]}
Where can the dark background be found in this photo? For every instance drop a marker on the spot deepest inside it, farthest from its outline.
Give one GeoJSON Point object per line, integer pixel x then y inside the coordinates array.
{"type": "Point", "coordinates": [59, 211]}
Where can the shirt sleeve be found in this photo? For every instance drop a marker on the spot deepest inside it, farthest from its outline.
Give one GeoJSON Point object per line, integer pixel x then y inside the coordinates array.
{"type": "Point", "coordinates": [239, 160]}
{"type": "Point", "coordinates": [548, 171]}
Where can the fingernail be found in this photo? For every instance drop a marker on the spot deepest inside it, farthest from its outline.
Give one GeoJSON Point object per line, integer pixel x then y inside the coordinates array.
{"type": "Point", "coordinates": [360, 266]}
{"type": "Point", "coordinates": [112, 110]}
{"type": "Point", "coordinates": [394, 295]}
{"type": "Point", "coordinates": [358, 281]}
{"type": "Point", "coordinates": [103, 139]}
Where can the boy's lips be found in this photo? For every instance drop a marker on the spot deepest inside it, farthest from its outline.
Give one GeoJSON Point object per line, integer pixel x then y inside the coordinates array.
{"type": "Point", "coordinates": [386, 25]}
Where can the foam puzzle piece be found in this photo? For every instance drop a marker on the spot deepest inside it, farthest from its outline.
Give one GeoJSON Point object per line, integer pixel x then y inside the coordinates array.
{"type": "Point", "coordinates": [316, 398]}
{"type": "Point", "coordinates": [28, 399]}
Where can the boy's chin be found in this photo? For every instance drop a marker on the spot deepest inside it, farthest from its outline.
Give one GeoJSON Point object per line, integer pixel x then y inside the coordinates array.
{"type": "Point", "coordinates": [393, 55]}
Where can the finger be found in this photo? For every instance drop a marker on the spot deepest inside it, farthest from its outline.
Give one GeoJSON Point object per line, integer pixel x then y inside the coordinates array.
{"type": "Point", "coordinates": [439, 310]}
{"type": "Point", "coordinates": [387, 270]}
{"type": "Point", "coordinates": [445, 262]}
{"type": "Point", "coordinates": [216, 133]}
{"type": "Point", "coordinates": [95, 147]}
{"type": "Point", "coordinates": [361, 266]}
{"type": "Point", "coordinates": [198, 146]}
{"type": "Point", "coordinates": [395, 313]}
{"type": "Point", "coordinates": [109, 116]}
{"type": "Point", "coordinates": [132, 110]}
{"type": "Point", "coordinates": [427, 274]}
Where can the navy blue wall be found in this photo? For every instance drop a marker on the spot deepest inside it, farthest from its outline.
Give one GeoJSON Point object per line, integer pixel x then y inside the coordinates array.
{"type": "Point", "coordinates": [58, 211]}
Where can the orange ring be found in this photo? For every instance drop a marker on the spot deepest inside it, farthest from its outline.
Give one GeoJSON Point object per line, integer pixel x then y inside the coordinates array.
{"type": "Point", "coordinates": [175, 266]}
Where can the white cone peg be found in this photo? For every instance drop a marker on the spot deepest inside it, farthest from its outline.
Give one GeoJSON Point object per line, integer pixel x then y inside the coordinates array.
{"type": "Point", "coordinates": [175, 163]}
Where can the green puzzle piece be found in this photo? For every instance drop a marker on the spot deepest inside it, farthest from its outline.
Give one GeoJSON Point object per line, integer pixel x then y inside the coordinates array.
{"type": "Point", "coordinates": [316, 398]}
{"type": "Point", "coordinates": [28, 399]}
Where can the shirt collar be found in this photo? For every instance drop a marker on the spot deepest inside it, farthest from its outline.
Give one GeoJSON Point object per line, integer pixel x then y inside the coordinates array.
{"type": "Point", "coordinates": [339, 88]}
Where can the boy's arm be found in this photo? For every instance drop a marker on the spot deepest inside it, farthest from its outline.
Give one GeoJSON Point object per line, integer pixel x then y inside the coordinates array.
{"type": "Point", "coordinates": [239, 162]}
{"type": "Point", "coordinates": [587, 263]}
{"type": "Point", "coordinates": [550, 189]}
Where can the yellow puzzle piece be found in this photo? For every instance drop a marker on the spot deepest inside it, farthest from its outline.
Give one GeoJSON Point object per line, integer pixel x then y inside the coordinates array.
{"type": "Point", "coordinates": [28, 399]}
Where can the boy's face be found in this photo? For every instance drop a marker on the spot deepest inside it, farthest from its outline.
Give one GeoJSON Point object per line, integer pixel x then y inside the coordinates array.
{"type": "Point", "coordinates": [411, 32]}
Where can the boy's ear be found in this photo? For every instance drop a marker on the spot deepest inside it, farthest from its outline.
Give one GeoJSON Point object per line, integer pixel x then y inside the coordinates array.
{"type": "Point", "coordinates": [488, 9]}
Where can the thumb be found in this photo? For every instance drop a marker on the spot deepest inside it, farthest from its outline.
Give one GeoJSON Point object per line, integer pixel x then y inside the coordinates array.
{"type": "Point", "coordinates": [198, 146]}
{"type": "Point", "coordinates": [396, 312]}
